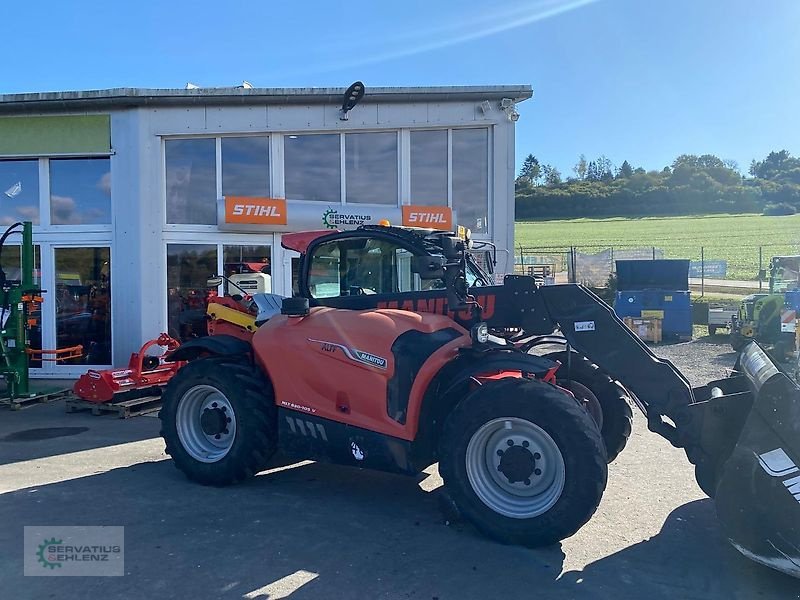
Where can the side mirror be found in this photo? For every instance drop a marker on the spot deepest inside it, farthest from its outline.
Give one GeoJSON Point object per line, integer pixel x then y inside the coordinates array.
{"type": "Point", "coordinates": [214, 281]}
{"type": "Point", "coordinates": [428, 267]}
{"type": "Point", "coordinates": [488, 261]}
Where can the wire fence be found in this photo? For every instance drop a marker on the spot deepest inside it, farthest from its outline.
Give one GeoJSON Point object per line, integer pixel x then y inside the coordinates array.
{"type": "Point", "coordinates": [594, 265]}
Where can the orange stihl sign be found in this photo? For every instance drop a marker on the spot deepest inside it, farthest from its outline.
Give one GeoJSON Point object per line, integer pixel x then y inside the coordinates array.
{"type": "Point", "coordinates": [251, 210]}
{"type": "Point", "coordinates": [434, 217]}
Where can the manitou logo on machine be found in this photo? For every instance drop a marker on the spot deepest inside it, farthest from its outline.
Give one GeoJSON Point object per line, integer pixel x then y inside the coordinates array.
{"type": "Point", "coordinates": [260, 211]}
{"type": "Point", "coordinates": [777, 463]}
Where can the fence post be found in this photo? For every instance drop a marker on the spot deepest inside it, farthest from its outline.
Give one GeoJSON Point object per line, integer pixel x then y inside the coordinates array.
{"type": "Point", "coordinates": [760, 265]}
{"type": "Point", "coordinates": [573, 262]}
{"type": "Point", "coordinates": [654, 252]}
{"type": "Point", "coordinates": [702, 271]}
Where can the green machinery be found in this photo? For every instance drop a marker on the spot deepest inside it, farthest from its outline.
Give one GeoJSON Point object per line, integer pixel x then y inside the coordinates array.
{"type": "Point", "coordinates": [760, 315]}
{"type": "Point", "coordinates": [19, 300]}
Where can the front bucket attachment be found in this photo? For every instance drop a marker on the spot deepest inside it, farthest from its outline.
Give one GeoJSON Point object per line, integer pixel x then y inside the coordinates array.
{"type": "Point", "coordinates": [758, 491]}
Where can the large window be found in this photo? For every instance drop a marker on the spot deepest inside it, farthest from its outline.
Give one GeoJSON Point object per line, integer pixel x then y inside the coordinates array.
{"type": "Point", "coordinates": [248, 268]}
{"type": "Point", "coordinates": [245, 166]}
{"type": "Point", "coordinates": [80, 191]}
{"type": "Point", "coordinates": [83, 302]}
{"type": "Point", "coordinates": [19, 186]}
{"type": "Point", "coordinates": [429, 167]}
{"type": "Point", "coordinates": [371, 168]}
{"type": "Point", "coordinates": [471, 178]}
{"type": "Point", "coordinates": [191, 181]}
{"type": "Point", "coordinates": [312, 167]}
{"type": "Point", "coordinates": [188, 268]}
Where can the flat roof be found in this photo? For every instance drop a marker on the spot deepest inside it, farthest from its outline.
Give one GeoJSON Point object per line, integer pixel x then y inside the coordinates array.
{"type": "Point", "coordinates": [136, 97]}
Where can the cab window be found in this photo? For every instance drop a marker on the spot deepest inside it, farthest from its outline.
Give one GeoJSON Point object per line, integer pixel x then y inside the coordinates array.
{"type": "Point", "coordinates": [362, 266]}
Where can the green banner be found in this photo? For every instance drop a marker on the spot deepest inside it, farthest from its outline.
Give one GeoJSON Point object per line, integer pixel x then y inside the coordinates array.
{"type": "Point", "coordinates": [44, 136]}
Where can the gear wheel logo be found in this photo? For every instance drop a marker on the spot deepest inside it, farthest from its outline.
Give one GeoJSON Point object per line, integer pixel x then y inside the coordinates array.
{"type": "Point", "coordinates": [326, 218]}
{"type": "Point", "coordinates": [45, 558]}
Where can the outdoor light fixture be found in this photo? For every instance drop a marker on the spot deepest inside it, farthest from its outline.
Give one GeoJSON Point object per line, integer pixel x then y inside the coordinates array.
{"type": "Point", "coordinates": [352, 96]}
{"type": "Point", "coordinates": [485, 106]}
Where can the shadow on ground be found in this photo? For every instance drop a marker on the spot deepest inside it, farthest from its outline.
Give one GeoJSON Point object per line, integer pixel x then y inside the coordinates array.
{"type": "Point", "coordinates": [365, 535]}
{"type": "Point", "coordinates": [47, 430]}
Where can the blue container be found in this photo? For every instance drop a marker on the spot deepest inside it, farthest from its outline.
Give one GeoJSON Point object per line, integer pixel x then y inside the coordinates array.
{"type": "Point", "coordinates": [656, 288]}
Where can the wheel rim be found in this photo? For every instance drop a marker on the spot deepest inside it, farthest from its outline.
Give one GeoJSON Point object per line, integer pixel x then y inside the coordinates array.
{"type": "Point", "coordinates": [515, 467]}
{"type": "Point", "coordinates": [206, 423]}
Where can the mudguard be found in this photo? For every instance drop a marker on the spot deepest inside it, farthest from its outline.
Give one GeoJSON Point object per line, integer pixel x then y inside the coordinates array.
{"type": "Point", "coordinates": [217, 345]}
{"type": "Point", "coordinates": [758, 494]}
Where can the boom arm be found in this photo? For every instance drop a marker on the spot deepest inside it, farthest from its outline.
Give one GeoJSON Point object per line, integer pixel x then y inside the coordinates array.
{"type": "Point", "coordinates": [593, 329]}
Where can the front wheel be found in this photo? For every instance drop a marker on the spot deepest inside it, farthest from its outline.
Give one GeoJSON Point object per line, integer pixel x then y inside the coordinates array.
{"type": "Point", "coordinates": [218, 421]}
{"type": "Point", "coordinates": [523, 461]}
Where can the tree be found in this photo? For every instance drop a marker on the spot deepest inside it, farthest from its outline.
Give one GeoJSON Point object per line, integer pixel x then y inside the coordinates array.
{"type": "Point", "coordinates": [592, 174]}
{"type": "Point", "coordinates": [552, 176]}
{"type": "Point", "coordinates": [777, 166]}
{"type": "Point", "coordinates": [605, 168]}
{"type": "Point", "coordinates": [531, 169]}
{"type": "Point", "coordinates": [731, 164]}
{"type": "Point", "coordinates": [625, 171]}
{"type": "Point", "coordinates": [580, 167]}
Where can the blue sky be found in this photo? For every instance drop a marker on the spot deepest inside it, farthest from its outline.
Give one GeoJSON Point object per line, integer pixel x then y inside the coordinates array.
{"type": "Point", "coordinates": [642, 80]}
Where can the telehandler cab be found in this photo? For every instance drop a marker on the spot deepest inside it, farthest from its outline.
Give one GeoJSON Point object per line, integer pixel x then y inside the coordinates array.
{"type": "Point", "coordinates": [398, 353]}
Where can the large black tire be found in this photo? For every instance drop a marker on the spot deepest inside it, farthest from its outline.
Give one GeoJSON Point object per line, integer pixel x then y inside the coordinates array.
{"type": "Point", "coordinates": [248, 393]}
{"type": "Point", "coordinates": [566, 504]}
{"type": "Point", "coordinates": [617, 421]}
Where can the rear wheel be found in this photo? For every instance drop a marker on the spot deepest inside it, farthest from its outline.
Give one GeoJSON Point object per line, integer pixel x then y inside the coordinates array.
{"type": "Point", "coordinates": [219, 421]}
{"type": "Point", "coordinates": [523, 461]}
{"type": "Point", "coordinates": [617, 418]}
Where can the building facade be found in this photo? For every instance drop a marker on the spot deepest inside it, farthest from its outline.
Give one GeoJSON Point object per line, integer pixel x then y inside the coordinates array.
{"type": "Point", "coordinates": [137, 196]}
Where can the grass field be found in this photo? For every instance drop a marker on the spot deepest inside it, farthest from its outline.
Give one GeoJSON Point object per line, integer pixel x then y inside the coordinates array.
{"type": "Point", "coordinates": [734, 238]}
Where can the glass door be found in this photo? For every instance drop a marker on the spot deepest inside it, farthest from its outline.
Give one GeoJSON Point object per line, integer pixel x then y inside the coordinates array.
{"type": "Point", "coordinates": [81, 301]}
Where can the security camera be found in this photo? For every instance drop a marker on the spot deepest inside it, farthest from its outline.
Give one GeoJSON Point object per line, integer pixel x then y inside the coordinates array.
{"type": "Point", "coordinates": [509, 107]}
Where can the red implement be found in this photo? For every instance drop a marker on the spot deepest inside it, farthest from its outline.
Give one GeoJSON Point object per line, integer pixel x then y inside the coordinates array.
{"type": "Point", "coordinates": [144, 371]}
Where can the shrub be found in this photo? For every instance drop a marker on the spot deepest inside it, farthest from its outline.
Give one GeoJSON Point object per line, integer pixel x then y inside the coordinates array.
{"type": "Point", "coordinates": [777, 209]}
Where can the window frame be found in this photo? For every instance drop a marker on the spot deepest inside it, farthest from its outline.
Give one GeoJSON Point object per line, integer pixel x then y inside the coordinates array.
{"type": "Point", "coordinates": [45, 224]}
{"type": "Point", "coordinates": [277, 168]}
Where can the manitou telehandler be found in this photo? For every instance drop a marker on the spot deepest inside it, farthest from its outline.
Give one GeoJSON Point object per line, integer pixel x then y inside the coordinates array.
{"type": "Point", "coordinates": [397, 354]}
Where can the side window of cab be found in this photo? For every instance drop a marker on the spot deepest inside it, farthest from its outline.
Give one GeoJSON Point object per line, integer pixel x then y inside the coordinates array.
{"type": "Point", "coordinates": [358, 266]}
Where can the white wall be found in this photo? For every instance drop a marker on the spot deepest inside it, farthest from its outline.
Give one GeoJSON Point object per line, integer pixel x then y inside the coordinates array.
{"type": "Point", "coordinates": [138, 188]}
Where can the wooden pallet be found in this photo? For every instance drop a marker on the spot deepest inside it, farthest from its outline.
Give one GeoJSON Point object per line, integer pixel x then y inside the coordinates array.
{"type": "Point", "coordinates": [24, 402]}
{"type": "Point", "coordinates": [124, 409]}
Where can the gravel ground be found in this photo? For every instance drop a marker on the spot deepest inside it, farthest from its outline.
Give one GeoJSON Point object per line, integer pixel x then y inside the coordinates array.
{"type": "Point", "coordinates": [700, 360]}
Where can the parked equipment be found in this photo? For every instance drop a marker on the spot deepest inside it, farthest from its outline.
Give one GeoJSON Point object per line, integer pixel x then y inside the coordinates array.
{"type": "Point", "coordinates": [20, 309]}
{"type": "Point", "coordinates": [759, 316]}
{"type": "Point", "coordinates": [656, 289]}
{"type": "Point", "coordinates": [406, 357]}
{"type": "Point", "coordinates": [145, 376]}
{"type": "Point", "coordinates": [721, 316]}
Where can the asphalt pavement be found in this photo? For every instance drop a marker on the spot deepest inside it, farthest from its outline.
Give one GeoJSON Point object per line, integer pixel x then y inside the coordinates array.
{"type": "Point", "coordinates": [320, 531]}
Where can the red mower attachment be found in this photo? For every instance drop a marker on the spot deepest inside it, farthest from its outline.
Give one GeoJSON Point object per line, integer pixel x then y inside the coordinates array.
{"type": "Point", "coordinates": [145, 372]}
